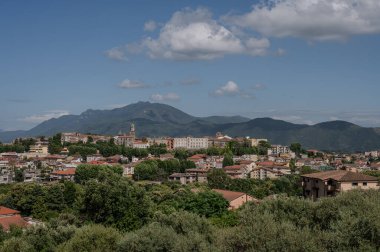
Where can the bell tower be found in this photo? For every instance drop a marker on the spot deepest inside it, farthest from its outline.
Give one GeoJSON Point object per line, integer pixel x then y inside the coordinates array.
{"type": "Point", "coordinates": [132, 131]}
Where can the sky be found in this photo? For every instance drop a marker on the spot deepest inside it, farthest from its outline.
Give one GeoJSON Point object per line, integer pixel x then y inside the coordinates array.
{"type": "Point", "coordinates": [301, 61]}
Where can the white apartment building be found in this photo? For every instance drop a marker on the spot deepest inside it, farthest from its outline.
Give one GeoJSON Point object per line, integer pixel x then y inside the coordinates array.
{"type": "Point", "coordinates": [192, 143]}
{"type": "Point", "coordinates": [278, 149]}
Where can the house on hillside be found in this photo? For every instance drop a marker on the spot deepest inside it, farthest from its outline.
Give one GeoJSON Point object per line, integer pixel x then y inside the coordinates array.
{"type": "Point", "coordinates": [329, 183]}
{"type": "Point", "coordinates": [236, 199]}
{"type": "Point", "coordinates": [267, 173]}
{"type": "Point", "coordinates": [10, 217]}
{"type": "Point", "coordinates": [183, 178]}
{"type": "Point", "coordinates": [66, 174]}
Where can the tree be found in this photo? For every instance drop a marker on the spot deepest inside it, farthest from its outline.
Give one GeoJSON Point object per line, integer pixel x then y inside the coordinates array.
{"type": "Point", "coordinates": [95, 238]}
{"type": "Point", "coordinates": [116, 202]}
{"type": "Point", "coordinates": [147, 170]}
{"type": "Point", "coordinates": [228, 160]}
{"type": "Point", "coordinates": [217, 178]}
{"type": "Point", "coordinates": [86, 172]}
{"type": "Point", "coordinates": [207, 203]}
{"type": "Point", "coordinates": [181, 154]}
{"type": "Point", "coordinates": [179, 231]}
{"type": "Point", "coordinates": [55, 146]}
{"type": "Point", "coordinates": [19, 175]}
{"type": "Point", "coordinates": [296, 148]}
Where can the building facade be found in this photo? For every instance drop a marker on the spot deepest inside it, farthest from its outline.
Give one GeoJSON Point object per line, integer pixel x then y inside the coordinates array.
{"type": "Point", "coordinates": [329, 183]}
{"type": "Point", "coordinates": [191, 143]}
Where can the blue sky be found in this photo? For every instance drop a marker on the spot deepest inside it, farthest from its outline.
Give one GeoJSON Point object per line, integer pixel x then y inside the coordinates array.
{"type": "Point", "coordinates": [300, 61]}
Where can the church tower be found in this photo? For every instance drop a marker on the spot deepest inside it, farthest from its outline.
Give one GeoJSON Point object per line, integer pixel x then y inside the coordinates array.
{"type": "Point", "coordinates": [132, 132]}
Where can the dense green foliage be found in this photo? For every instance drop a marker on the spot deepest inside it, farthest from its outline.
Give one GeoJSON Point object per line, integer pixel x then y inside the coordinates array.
{"type": "Point", "coordinates": [86, 172]}
{"type": "Point", "coordinates": [348, 222]}
{"type": "Point", "coordinates": [19, 145]}
{"type": "Point", "coordinates": [160, 170]}
{"type": "Point", "coordinates": [12, 148]}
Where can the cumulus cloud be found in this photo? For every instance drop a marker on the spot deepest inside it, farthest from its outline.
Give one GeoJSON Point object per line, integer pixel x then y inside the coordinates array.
{"type": "Point", "coordinates": [319, 20]}
{"type": "Point", "coordinates": [150, 26]}
{"type": "Point", "coordinates": [116, 53]}
{"type": "Point", "coordinates": [165, 97]}
{"type": "Point", "coordinates": [230, 88]}
{"type": "Point", "coordinates": [130, 84]}
{"type": "Point", "coordinates": [46, 116]}
{"type": "Point", "coordinates": [195, 35]}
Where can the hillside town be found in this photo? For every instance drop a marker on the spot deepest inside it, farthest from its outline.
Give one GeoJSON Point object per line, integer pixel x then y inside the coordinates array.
{"type": "Point", "coordinates": [274, 161]}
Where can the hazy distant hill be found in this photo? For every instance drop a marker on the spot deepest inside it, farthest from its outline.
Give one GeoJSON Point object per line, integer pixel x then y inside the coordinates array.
{"type": "Point", "coordinates": [154, 119]}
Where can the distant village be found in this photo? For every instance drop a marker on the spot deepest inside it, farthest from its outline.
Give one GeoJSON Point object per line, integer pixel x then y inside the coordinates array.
{"type": "Point", "coordinates": [38, 165]}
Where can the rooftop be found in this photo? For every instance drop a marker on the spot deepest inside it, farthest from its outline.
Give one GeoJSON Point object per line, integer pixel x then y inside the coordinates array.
{"type": "Point", "coordinates": [16, 220]}
{"type": "Point", "coordinates": [229, 195]}
{"type": "Point", "coordinates": [7, 211]}
{"type": "Point", "coordinates": [340, 175]}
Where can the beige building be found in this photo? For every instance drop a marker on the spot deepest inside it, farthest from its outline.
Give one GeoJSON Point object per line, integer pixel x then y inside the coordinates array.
{"type": "Point", "coordinates": [256, 141]}
{"type": "Point", "coordinates": [266, 173]}
{"type": "Point", "coordinates": [236, 199]}
{"type": "Point", "coordinates": [183, 178]}
{"type": "Point", "coordinates": [192, 143]}
{"type": "Point", "coordinates": [39, 148]}
{"type": "Point", "coordinates": [329, 183]}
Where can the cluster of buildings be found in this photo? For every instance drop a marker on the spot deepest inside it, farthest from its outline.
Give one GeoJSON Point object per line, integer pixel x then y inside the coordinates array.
{"type": "Point", "coordinates": [38, 165]}
{"type": "Point", "coordinates": [190, 143]}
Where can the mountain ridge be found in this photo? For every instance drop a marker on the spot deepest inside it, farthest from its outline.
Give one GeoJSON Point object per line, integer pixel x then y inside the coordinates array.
{"type": "Point", "coordinates": [156, 119]}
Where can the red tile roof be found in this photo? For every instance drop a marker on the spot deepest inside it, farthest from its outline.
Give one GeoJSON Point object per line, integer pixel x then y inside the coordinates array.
{"type": "Point", "coordinates": [97, 162]}
{"type": "Point", "coordinates": [16, 220]}
{"type": "Point", "coordinates": [232, 167]}
{"type": "Point", "coordinates": [342, 176]}
{"type": "Point", "coordinates": [229, 195]}
{"type": "Point", "coordinates": [68, 171]}
{"type": "Point", "coordinates": [6, 211]}
{"type": "Point", "coordinates": [265, 163]}
{"type": "Point", "coordinates": [198, 156]}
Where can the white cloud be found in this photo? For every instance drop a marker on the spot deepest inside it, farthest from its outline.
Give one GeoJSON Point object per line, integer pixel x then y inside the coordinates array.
{"type": "Point", "coordinates": [46, 116]}
{"type": "Point", "coordinates": [116, 53]}
{"type": "Point", "coordinates": [165, 97]}
{"type": "Point", "coordinates": [195, 35]}
{"type": "Point", "coordinates": [129, 84]}
{"type": "Point", "coordinates": [312, 19]}
{"type": "Point", "coordinates": [257, 47]}
{"type": "Point", "coordinates": [230, 88]}
{"type": "Point", "coordinates": [150, 26]}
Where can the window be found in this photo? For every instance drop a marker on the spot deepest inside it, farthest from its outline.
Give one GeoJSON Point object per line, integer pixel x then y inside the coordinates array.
{"type": "Point", "coordinates": [355, 184]}
{"type": "Point", "coordinates": [364, 183]}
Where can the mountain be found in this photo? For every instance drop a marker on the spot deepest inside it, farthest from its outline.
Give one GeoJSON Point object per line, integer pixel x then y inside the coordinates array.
{"type": "Point", "coordinates": [155, 119]}
{"type": "Point", "coordinates": [225, 119]}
